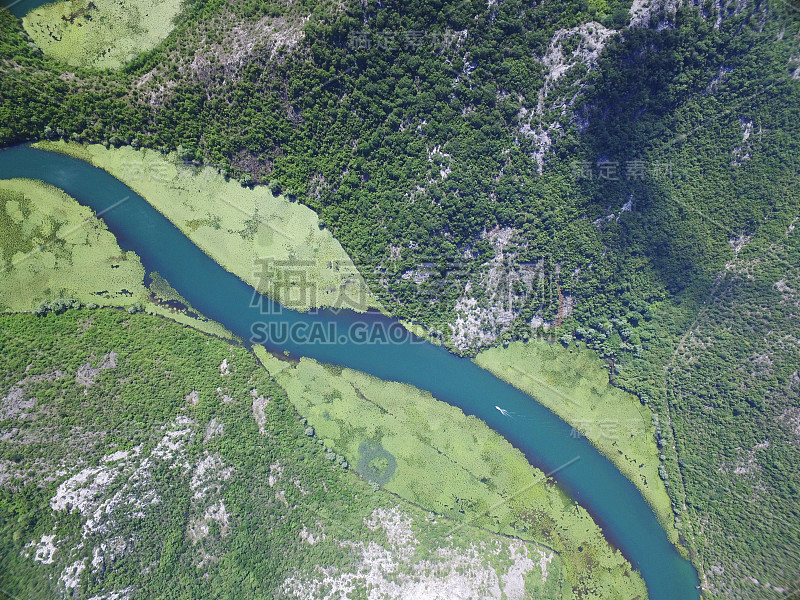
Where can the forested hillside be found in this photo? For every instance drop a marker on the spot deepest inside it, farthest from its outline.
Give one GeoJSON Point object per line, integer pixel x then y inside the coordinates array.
{"type": "Point", "coordinates": [621, 175]}
{"type": "Point", "coordinates": [142, 459]}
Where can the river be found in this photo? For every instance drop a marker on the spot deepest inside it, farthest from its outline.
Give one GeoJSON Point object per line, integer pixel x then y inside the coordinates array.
{"type": "Point", "coordinates": [338, 338]}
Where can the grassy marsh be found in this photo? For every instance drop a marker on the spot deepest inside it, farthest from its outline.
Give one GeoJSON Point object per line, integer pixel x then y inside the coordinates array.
{"type": "Point", "coordinates": [100, 33]}
{"type": "Point", "coordinates": [52, 246]}
{"type": "Point", "coordinates": [430, 453]}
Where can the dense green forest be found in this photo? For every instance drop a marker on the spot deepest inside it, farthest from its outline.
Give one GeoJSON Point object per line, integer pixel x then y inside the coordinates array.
{"type": "Point", "coordinates": [480, 160]}
{"type": "Point", "coordinates": [726, 387]}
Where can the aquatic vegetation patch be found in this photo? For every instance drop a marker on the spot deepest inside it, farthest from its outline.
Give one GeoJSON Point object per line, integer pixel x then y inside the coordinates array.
{"type": "Point", "coordinates": [100, 33]}
{"type": "Point", "coordinates": [374, 463]}
{"type": "Point", "coordinates": [453, 465]}
{"type": "Point", "coordinates": [164, 292]}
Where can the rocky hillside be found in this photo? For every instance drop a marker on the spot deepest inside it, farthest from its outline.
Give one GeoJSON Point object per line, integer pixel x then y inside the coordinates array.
{"type": "Point", "coordinates": [141, 459]}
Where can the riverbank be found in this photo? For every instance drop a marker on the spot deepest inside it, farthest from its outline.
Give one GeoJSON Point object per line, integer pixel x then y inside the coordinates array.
{"type": "Point", "coordinates": [573, 383]}
{"type": "Point", "coordinates": [275, 245]}
{"type": "Point", "coordinates": [432, 454]}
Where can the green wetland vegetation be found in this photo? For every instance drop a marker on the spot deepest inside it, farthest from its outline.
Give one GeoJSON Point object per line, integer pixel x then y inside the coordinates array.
{"type": "Point", "coordinates": [54, 247]}
{"type": "Point", "coordinates": [275, 245]}
{"type": "Point", "coordinates": [103, 34]}
{"type": "Point", "coordinates": [642, 199]}
{"type": "Point", "coordinates": [425, 451]}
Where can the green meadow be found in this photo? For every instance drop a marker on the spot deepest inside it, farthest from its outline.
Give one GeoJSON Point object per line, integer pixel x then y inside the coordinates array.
{"type": "Point", "coordinates": [267, 241]}
{"type": "Point", "coordinates": [573, 383]}
{"type": "Point", "coordinates": [52, 247]}
{"type": "Point", "coordinates": [102, 34]}
{"type": "Point", "coordinates": [425, 451]}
